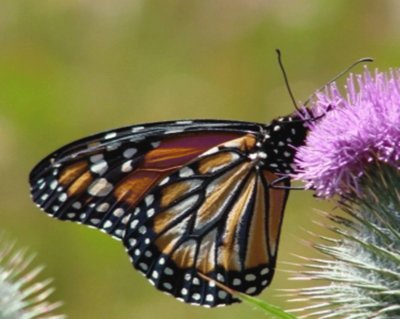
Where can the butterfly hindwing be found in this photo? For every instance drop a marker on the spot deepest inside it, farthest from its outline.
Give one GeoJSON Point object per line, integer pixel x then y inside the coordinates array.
{"type": "Point", "coordinates": [211, 217]}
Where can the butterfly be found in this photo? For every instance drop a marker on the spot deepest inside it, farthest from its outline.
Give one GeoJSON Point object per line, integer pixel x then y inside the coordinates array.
{"type": "Point", "coordinates": [186, 198]}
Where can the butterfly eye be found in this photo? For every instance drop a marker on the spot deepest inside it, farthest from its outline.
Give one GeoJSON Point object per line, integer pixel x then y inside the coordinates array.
{"type": "Point", "coordinates": [186, 199]}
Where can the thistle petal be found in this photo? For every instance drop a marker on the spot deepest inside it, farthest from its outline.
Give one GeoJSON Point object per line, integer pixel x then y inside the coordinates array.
{"type": "Point", "coordinates": [360, 127]}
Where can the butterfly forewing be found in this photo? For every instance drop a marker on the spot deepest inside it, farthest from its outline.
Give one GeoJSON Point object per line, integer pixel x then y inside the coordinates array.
{"type": "Point", "coordinates": [99, 180]}
{"type": "Point", "coordinates": [186, 198]}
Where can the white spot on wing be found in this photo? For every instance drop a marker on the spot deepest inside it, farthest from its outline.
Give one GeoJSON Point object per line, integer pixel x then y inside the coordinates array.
{"type": "Point", "coordinates": [107, 224]}
{"type": "Point", "coordinates": [132, 242]}
{"type": "Point", "coordinates": [164, 181]}
{"type": "Point", "coordinates": [186, 172]}
{"type": "Point", "coordinates": [95, 221]}
{"type": "Point", "coordinates": [167, 285]}
{"type": "Point", "coordinates": [120, 232]}
{"type": "Point", "coordinates": [172, 131]}
{"type": "Point", "coordinates": [137, 129]}
{"type": "Point", "coordinates": [150, 212]}
{"type": "Point", "coordinates": [41, 186]}
{"type": "Point", "coordinates": [125, 219]}
{"type": "Point", "coordinates": [155, 144]}
{"type": "Point", "coordinates": [264, 282]}
{"type": "Point", "coordinates": [184, 122]}
{"type": "Point", "coordinates": [210, 151]}
{"type": "Point", "coordinates": [53, 184]}
{"type": "Point", "coordinates": [110, 135]}
{"type": "Point", "coordinates": [149, 199]}
{"type": "Point", "coordinates": [264, 271]}
{"type": "Point", "coordinates": [127, 166]}
{"type": "Point", "coordinates": [222, 294]}
{"type": "Point", "coordinates": [250, 277]}
{"type": "Point", "coordinates": [129, 152]}
{"type": "Point", "coordinates": [100, 188]}
{"type": "Point", "coordinates": [100, 167]}
{"type": "Point", "coordinates": [143, 266]}
{"type": "Point", "coordinates": [184, 291]}
{"type": "Point", "coordinates": [113, 146]}
{"type": "Point", "coordinates": [220, 278]}
{"type": "Point", "coordinates": [96, 158]}
{"type": "Point", "coordinates": [103, 207]}
{"type": "Point", "coordinates": [118, 212]}
{"type": "Point", "coordinates": [196, 296]}
{"type": "Point", "coordinates": [251, 290]}
{"type": "Point", "coordinates": [168, 271]}
{"type": "Point", "coordinates": [237, 282]}
{"type": "Point", "coordinates": [62, 197]}
{"type": "Point", "coordinates": [134, 223]}
{"type": "Point", "coordinates": [77, 205]}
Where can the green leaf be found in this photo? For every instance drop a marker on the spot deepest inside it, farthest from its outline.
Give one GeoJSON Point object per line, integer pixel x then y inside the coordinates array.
{"type": "Point", "coordinates": [268, 309]}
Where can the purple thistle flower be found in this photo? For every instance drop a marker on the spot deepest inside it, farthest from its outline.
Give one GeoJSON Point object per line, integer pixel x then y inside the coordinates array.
{"type": "Point", "coordinates": [360, 128]}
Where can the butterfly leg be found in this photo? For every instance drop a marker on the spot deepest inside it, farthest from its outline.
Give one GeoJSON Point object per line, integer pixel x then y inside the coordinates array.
{"type": "Point", "coordinates": [283, 179]}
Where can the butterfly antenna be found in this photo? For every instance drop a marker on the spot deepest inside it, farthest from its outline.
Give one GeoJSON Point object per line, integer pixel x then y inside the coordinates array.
{"type": "Point", "coordinates": [351, 66]}
{"type": "Point", "coordinates": [278, 52]}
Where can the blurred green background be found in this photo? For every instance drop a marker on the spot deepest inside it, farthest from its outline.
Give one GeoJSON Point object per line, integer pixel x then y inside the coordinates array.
{"type": "Point", "coordinates": [74, 67]}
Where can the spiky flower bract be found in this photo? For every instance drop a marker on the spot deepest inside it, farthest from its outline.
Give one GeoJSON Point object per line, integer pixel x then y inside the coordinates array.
{"type": "Point", "coordinates": [353, 152]}
{"type": "Point", "coordinates": [21, 296]}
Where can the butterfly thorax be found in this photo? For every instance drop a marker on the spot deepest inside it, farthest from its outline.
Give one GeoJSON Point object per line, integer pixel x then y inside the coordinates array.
{"type": "Point", "coordinates": [280, 139]}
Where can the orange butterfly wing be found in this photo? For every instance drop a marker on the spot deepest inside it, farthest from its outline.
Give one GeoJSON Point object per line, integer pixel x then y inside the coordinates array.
{"type": "Point", "coordinates": [185, 198]}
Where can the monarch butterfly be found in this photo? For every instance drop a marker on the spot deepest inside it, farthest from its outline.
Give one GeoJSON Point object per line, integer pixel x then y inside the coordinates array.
{"type": "Point", "coordinates": [188, 199]}
{"type": "Point", "coordinates": [185, 198]}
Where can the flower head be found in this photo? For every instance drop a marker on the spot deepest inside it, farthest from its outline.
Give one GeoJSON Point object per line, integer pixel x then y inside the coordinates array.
{"type": "Point", "coordinates": [360, 127]}
{"type": "Point", "coordinates": [354, 150]}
